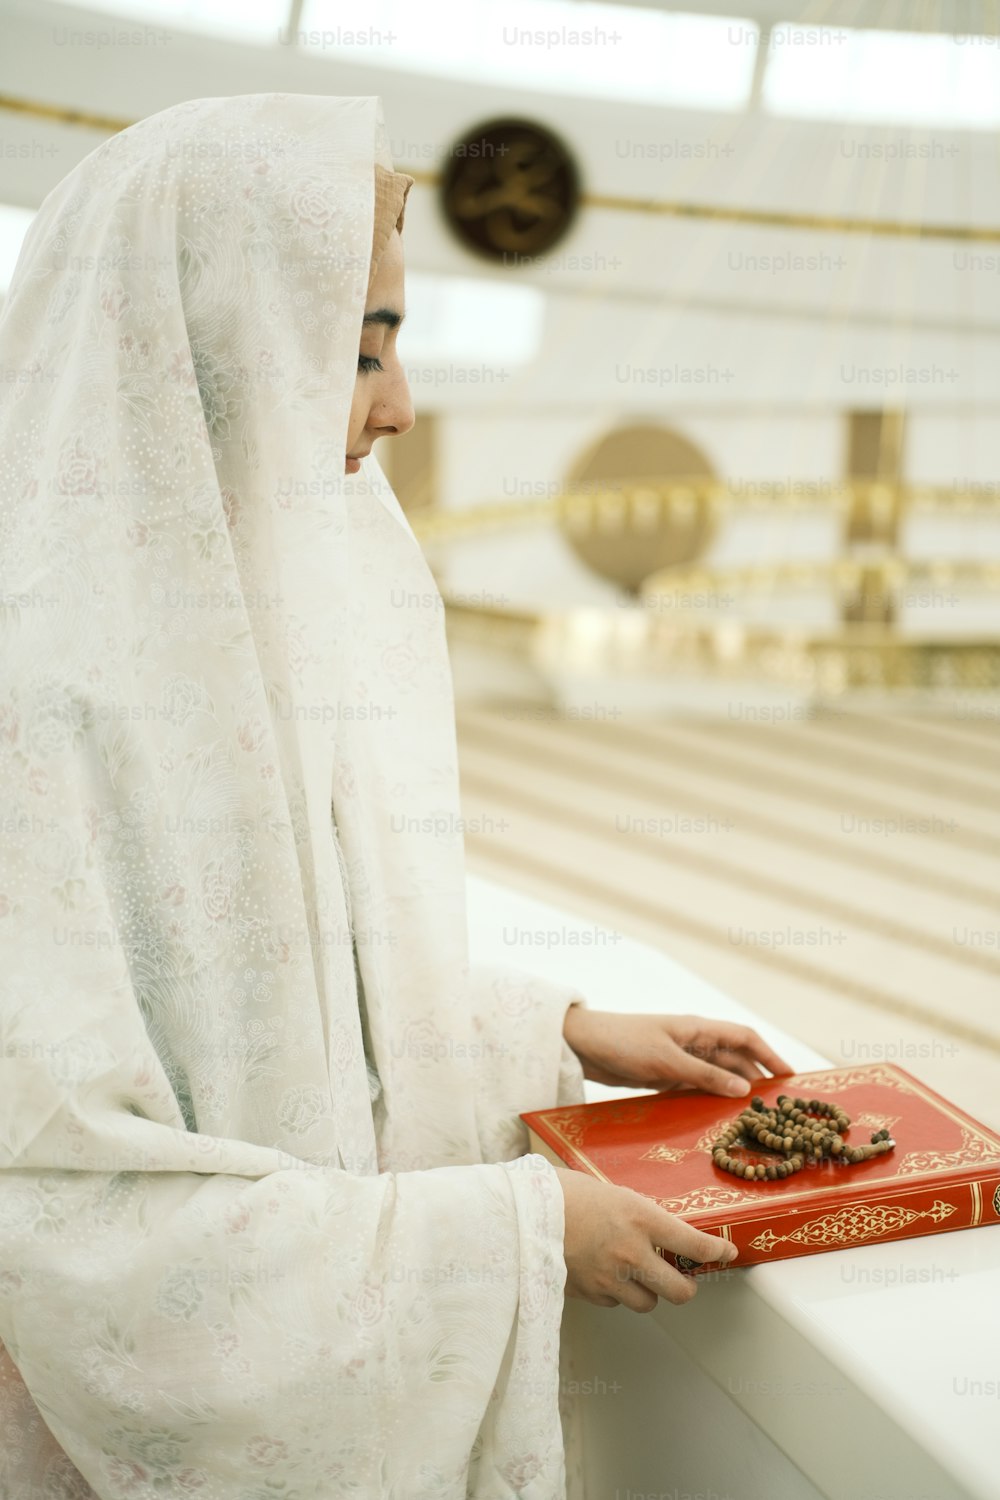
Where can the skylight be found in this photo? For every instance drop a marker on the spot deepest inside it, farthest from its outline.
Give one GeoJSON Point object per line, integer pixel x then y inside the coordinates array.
{"type": "Point", "coordinates": [252, 20]}
{"type": "Point", "coordinates": [470, 320]}
{"type": "Point", "coordinates": [560, 46]}
{"type": "Point", "coordinates": [890, 77]}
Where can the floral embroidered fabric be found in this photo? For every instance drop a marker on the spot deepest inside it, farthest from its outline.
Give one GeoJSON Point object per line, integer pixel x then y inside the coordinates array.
{"type": "Point", "coordinates": [224, 1270]}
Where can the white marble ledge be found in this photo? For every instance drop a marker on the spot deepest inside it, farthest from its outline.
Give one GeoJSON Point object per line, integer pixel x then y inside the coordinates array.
{"type": "Point", "coordinates": [912, 1327]}
{"type": "Point", "coordinates": [611, 970]}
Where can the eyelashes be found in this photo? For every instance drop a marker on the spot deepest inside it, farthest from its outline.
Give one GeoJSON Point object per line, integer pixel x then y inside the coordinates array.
{"type": "Point", "coordinates": [367, 363]}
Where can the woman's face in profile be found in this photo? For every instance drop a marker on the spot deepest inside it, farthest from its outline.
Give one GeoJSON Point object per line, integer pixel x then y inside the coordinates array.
{"type": "Point", "coordinates": [381, 406]}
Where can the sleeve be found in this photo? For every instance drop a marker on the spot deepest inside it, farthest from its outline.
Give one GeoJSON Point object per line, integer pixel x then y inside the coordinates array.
{"type": "Point", "coordinates": [307, 1333]}
{"type": "Point", "coordinates": [523, 1061]}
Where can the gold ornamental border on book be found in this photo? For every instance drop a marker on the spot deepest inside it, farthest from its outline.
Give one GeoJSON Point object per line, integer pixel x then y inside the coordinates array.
{"type": "Point", "coordinates": [973, 1148]}
{"type": "Point", "coordinates": [978, 1147]}
{"type": "Point", "coordinates": [853, 1225]}
{"type": "Point", "coordinates": [720, 213]}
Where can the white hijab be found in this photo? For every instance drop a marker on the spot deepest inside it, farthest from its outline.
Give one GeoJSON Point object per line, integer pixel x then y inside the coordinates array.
{"type": "Point", "coordinates": [221, 1274]}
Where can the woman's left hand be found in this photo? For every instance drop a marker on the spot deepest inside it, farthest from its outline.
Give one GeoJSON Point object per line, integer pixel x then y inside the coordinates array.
{"type": "Point", "coordinates": [669, 1052]}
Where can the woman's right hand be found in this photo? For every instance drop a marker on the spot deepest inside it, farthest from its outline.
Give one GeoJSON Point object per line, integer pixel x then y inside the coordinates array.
{"type": "Point", "coordinates": [609, 1242]}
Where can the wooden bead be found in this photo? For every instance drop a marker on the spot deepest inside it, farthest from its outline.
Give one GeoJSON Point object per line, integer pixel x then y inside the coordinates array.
{"type": "Point", "coordinates": [805, 1132]}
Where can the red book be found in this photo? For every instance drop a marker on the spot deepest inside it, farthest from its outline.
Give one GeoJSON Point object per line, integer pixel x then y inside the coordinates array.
{"type": "Point", "coordinates": [943, 1174]}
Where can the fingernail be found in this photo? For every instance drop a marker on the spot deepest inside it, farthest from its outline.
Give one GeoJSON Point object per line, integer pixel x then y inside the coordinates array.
{"type": "Point", "coordinates": [737, 1086]}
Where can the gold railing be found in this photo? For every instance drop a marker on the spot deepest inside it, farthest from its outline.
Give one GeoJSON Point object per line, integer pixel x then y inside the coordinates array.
{"type": "Point", "coordinates": [683, 622]}
{"type": "Point", "coordinates": [893, 575]}
{"type": "Point", "coordinates": [644, 504]}
{"type": "Point", "coordinates": [650, 647]}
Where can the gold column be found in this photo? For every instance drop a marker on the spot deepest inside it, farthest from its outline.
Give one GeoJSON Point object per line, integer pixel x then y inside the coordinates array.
{"type": "Point", "coordinates": [875, 458]}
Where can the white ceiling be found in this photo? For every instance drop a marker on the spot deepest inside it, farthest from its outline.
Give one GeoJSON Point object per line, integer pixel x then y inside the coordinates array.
{"type": "Point", "coordinates": [797, 317]}
{"type": "Point", "coordinates": [956, 16]}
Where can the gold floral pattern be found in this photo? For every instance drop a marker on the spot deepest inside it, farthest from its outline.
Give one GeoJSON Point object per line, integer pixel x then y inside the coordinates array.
{"type": "Point", "coordinates": [663, 1153]}
{"type": "Point", "coordinates": [974, 1148]}
{"type": "Point", "coordinates": [853, 1225]}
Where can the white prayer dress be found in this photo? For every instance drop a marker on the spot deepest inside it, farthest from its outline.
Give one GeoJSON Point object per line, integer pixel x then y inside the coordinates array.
{"type": "Point", "coordinates": [237, 1262]}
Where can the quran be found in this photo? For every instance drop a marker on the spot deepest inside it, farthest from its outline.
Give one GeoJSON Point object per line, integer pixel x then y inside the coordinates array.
{"type": "Point", "coordinates": [943, 1174]}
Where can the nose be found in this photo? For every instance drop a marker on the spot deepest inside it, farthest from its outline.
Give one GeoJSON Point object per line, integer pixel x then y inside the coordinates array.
{"type": "Point", "coordinates": [393, 413]}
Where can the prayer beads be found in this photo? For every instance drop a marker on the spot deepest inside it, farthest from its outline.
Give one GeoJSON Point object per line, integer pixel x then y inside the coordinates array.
{"type": "Point", "coordinates": [801, 1130]}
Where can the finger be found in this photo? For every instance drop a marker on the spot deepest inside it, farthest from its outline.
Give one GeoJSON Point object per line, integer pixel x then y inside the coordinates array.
{"type": "Point", "coordinates": [656, 1275]}
{"type": "Point", "coordinates": [700, 1074]}
{"type": "Point", "coordinates": [673, 1234]}
{"type": "Point", "coordinates": [635, 1295]}
{"type": "Point", "coordinates": [745, 1039]}
{"type": "Point", "coordinates": [738, 1062]}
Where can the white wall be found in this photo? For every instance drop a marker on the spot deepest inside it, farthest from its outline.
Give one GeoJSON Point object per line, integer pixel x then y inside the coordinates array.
{"type": "Point", "coordinates": [664, 318]}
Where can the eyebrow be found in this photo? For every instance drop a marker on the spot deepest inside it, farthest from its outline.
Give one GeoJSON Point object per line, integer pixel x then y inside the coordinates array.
{"type": "Point", "coordinates": [384, 315]}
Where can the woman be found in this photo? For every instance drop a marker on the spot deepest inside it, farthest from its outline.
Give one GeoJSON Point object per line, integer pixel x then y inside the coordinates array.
{"type": "Point", "coordinates": [267, 1224]}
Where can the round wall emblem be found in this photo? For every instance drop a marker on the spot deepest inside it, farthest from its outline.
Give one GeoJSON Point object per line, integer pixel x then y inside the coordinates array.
{"type": "Point", "coordinates": [510, 190]}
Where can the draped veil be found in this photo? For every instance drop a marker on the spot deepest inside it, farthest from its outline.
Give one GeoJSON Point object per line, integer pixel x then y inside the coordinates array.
{"type": "Point", "coordinates": [224, 1271]}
